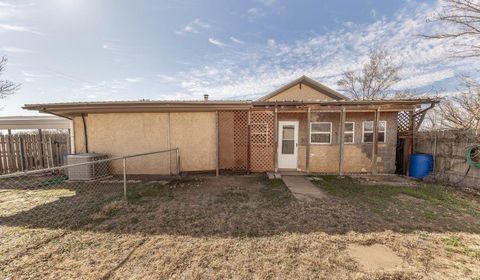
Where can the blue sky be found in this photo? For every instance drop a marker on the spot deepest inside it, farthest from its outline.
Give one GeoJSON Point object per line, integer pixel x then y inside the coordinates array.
{"type": "Point", "coordinates": [90, 50]}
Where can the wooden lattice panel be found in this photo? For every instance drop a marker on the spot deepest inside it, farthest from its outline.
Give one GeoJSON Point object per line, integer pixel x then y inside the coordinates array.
{"type": "Point", "coordinates": [262, 142]}
{"type": "Point", "coordinates": [240, 139]}
{"type": "Point", "coordinates": [404, 125]}
{"type": "Point", "coordinates": [233, 138]}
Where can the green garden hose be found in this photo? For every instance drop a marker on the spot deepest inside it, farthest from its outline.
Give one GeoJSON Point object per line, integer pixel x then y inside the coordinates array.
{"type": "Point", "coordinates": [472, 153]}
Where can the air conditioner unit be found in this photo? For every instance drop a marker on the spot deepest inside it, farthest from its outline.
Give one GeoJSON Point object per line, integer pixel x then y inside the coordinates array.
{"type": "Point", "coordinates": [90, 169]}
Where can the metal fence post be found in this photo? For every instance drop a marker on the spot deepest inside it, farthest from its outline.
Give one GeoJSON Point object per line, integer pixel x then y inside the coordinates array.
{"type": "Point", "coordinates": [178, 160]}
{"type": "Point", "coordinates": [125, 178]}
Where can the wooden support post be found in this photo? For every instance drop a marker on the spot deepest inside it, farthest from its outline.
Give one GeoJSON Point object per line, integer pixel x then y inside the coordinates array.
{"type": "Point", "coordinates": [217, 167]}
{"type": "Point", "coordinates": [375, 140]}
{"type": "Point", "coordinates": [169, 146]}
{"type": "Point", "coordinates": [410, 140]}
{"type": "Point", "coordinates": [341, 140]}
{"type": "Point", "coordinates": [275, 140]}
{"type": "Point", "coordinates": [307, 148]}
{"type": "Point", "coordinates": [249, 140]}
{"type": "Point", "coordinates": [125, 179]}
{"type": "Point", "coordinates": [71, 132]}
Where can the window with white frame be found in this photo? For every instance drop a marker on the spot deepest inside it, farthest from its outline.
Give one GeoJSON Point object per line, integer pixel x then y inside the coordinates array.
{"type": "Point", "coordinates": [349, 133]}
{"type": "Point", "coordinates": [368, 131]}
{"type": "Point", "coordinates": [321, 133]}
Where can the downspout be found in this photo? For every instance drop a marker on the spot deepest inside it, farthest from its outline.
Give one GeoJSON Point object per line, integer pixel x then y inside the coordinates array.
{"type": "Point", "coordinates": [85, 132]}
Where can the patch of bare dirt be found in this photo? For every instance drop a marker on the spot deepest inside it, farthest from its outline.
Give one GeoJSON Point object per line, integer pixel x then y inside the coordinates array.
{"type": "Point", "coordinates": [375, 257]}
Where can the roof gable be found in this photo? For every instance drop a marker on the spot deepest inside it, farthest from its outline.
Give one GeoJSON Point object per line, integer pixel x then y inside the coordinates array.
{"type": "Point", "coordinates": [303, 89]}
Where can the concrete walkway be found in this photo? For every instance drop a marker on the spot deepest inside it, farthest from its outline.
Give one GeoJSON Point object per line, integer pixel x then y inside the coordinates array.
{"type": "Point", "coordinates": [302, 188]}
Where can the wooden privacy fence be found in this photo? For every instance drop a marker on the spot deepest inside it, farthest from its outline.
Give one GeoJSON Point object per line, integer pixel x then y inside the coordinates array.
{"type": "Point", "coordinates": [21, 152]}
{"type": "Point", "coordinates": [448, 150]}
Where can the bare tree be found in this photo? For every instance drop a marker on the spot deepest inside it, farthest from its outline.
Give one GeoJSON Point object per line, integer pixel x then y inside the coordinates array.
{"type": "Point", "coordinates": [6, 87]}
{"type": "Point", "coordinates": [461, 19]}
{"type": "Point", "coordinates": [461, 27]}
{"type": "Point", "coordinates": [374, 80]}
{"type": "Point", "coordinates": [462, 111]}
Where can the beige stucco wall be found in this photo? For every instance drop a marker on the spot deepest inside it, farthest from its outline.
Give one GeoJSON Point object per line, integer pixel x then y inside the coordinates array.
{"type": "Point", "coordinates": [195, 134]}
{"type": "Point", "coordinates": [118, 134]}
{"type": "Point", "coordinates": [299, 93]}
{"type": "Point", "coordinates": [226, 141]}
{"type": "Point", "coordinates": [357, 156]}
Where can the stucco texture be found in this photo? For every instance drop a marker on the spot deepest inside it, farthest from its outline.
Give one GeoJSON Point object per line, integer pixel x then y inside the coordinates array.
{"type": "Point", "coordinates": [118, 134]}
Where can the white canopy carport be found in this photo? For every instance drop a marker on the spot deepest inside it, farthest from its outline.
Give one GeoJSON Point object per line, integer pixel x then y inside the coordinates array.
{"type": "Point", "coordinates": [33, 122]}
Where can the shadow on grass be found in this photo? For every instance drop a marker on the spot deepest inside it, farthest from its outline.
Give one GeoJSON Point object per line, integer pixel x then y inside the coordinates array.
{"type": "Point", "coordinates": [242, 206]}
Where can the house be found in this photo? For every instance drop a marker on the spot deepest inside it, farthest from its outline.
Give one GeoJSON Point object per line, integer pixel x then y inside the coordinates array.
{"type": "Point", "coordinates": [303, 126]}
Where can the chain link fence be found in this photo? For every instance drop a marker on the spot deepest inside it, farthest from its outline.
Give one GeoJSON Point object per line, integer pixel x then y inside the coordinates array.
{"type": "Point", "coordinates": [71, 195]}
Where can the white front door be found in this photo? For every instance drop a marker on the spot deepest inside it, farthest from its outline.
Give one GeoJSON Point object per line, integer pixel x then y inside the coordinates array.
{"type": "Point", "coordinates": [287, 144]}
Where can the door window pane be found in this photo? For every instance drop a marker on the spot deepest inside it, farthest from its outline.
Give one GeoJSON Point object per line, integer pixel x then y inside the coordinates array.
{"type": "Point", "coordinates": [288, 132]}
{"type": "Point", "coordinates": [288, 139]}
{"type": "Point", "coordinates": [288, 147]}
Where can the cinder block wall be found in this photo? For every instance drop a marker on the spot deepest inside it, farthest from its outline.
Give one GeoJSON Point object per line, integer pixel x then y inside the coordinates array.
{"type": "Point", "coordinates": [357, 156]}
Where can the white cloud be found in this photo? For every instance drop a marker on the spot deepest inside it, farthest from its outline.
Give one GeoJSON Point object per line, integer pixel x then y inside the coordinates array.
{"type": "Point", "coordinates": [10, 11]}
{"type": "Point", "coordinates": [235, 40]}
{"type": "Point", "coordinates": [423, 79]}
{"type": "Point", "coordinates": [35, 75]}
{"type": "Point", "coordinates": [216, 42]}
{"type": "Point", "coordinates": [196, 26]}
{"type": "Point", "coordinates": [16, 50]}
{"type": "Point", "coordinates": [17, 28]}
{"type": "Point", "coordinates": [166, 78]}
{"type": "Point", "coordinates": [105, 89]}
{"type": "Point", "coordinates": [267, 2]}
{"type": "Point", "coordinates": [32, 77]}
{"type": "Point", "coordinates": [262, 68]}
{"type": "Point", "coordinates": [201, 24]}
{"type": "Point", "coordinates": [133, 80]}
{"type": "Point", "coordinates": [255, 13]}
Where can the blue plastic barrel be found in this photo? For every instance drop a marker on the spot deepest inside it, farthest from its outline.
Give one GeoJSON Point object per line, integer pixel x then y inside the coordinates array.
{"type": "Point", "coordinates": [421, 165]}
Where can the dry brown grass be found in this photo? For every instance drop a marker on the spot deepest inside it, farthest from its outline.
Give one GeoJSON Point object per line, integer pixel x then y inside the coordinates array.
{"type": "Point", "coordinates": [239, 227]}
